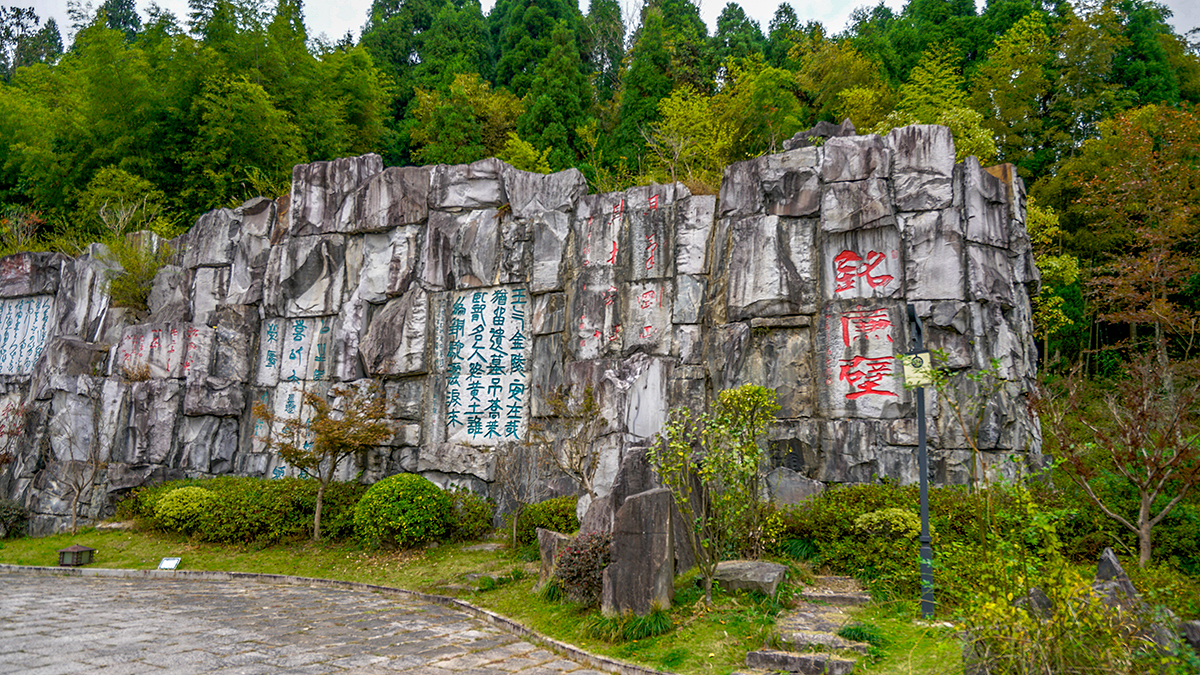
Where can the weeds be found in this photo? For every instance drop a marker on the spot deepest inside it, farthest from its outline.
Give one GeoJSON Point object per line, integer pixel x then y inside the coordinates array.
{"type": "Point", "coordinates": [629, 627]}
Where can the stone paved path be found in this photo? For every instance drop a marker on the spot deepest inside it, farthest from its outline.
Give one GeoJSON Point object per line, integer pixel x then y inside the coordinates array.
{"type": "Point", "coordinates": [107, 626]}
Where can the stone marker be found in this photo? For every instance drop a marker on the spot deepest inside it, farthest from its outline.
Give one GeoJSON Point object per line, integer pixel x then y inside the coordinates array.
{"type": "Point", "coordinates": [641, 575]}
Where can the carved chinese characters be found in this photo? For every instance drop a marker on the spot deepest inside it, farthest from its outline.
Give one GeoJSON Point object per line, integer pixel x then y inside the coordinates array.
{"type": "Point", "coordinates": [487, 364]}
{"type": "Point", "coordinates": [291, 350]}
{"type": "Point", "coordinates": [863, 378]}
{"type": "Point", "coordinates": [24, 323]}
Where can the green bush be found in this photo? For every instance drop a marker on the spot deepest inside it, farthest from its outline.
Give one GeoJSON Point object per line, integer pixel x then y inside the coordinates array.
{"type": "Point", "coordinates": [1082, 635]}
{"type": "Point", "coordinates": [556, 514]}
{"type": "Point", "coordinates": [891, 523]}
{"type": "Point", "coordinates": [254, 509]}
{"type": "Point", "coordinates": [580, 566]}
{"type": "Point", "coordinates": [402, 510]}
{"type": "Point", "coordinates": [472, 515]}
{"type": "Point", "coordinates": [131, 285]}
{"type": "Point", "coordinates": [628, 627]}
{"type": "Point", "coordinates": [182, 509]}
{"type": "Point", "coordinates": [14, 519]}
{"type": "Point", "coordinates": [870, 532]}
{"type": "Point", "coordinates": [1085, 530]}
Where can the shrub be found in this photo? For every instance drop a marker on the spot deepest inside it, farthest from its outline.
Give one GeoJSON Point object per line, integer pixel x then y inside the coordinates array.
{"type": "Point", "coordinates": [472, 515]}
{"type": "Point", "coordinates": [254, 509]}
{"type": "Point", "coordinates": [14, 519]}
{"type": "Point", "coordinates": [140, 261]}
{"type": "Point", "coordinates": [404, 510]}
{"type": "Point", "coordinates": [139, 503]}
{"type": "Point", "coordinates": [556, 514]}
{"type": "Point", "coordinates": [891, 523]}
{"type": "Point", "coordinates": [1079, 635]}
{"type": "Point", "coordinates": [182, 509]}
{"type": "Point", "coordinates": [580, 566]}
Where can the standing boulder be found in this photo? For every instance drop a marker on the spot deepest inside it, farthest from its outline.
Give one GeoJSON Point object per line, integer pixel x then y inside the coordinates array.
{"type": "Point", "coordinates": [641, 576]}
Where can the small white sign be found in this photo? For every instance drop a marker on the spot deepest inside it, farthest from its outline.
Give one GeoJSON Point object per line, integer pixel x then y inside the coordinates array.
{"type": "Point", "coordinates": [169, 563]}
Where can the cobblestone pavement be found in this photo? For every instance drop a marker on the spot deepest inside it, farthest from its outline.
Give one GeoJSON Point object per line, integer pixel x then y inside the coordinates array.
{"type": "Point", "coordinates": [105, 626]}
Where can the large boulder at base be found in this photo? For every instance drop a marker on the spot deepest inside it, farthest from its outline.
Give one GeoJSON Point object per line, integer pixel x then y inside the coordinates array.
{"type": "Point", "coordinates": [750, 575]}
{"type": "Point", "coordinates": [641, 575]}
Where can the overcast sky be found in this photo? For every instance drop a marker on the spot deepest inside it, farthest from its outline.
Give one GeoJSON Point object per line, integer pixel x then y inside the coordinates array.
{"type": "Point", "coordinates": [335, 18]}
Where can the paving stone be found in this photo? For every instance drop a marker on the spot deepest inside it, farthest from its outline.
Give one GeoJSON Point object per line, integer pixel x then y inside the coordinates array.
{"type": "Point", "coordinates": [137, 627]}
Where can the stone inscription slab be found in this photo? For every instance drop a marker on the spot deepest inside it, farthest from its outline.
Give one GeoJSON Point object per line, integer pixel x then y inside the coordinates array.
{"type": "Point", "coordinates": [292, 350]}
{"type": "Point", "coordinates": [24, 329]}
{"type": "Point", "coordinates": [487, 357]}
{"type": "Point", "coordinates": [863, 378]}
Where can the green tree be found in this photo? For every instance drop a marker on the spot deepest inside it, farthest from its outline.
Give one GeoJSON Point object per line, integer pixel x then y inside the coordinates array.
{"type": "Point", "coordinates": [240, 132]}
{"type": "Point", "coordinates": [711, 463]}
{"type": "Point", "coordinates": [689, 141]}
{"type": "Point", "coordinates": [468, 123]}
{"type": "Point", "coordinates": [646, 82]}
{"type": "Point", "coordinates": [1142, 184]}
{"type": "Point", "coordinates": [782, 33]}
{"type": "Point", "coordinates": [1142, 66]}
{"type": "Point", "coordinates": [737, 36]}
{"type": "Point", "coordinates": [1059, 270]}
{"type": "Point", "coordinates": [558, 96]}
{"type": "Point", "coordinates": [758, 109]}
{"type": "Point", "coordinates": [1151, 439]}
{"type": "Point", "coordinates": [1012, 89]}
{"type": "Point", "coordinates": [121, 16]}
{"type": "Point", "coordinates": [827, 68]}
{"type": "Point", "coordinates": [354, 422]}
{"type": "Point", "coordinates": [935, 94]}
{"type": "Point", "coordinates": [605, 43]}
{"type": "Point", "coordinates": [523, 36]}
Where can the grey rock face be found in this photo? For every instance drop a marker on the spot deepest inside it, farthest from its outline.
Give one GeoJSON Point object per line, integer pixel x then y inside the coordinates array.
{"type": "Point", "coordinates": [785, 487]}
{"type": "Point", "coordinates": [24, 274]}
{"type": "Point", "coordinates": [822, 130]}
{"type": "Point", "coordinates": [549, 545]}
{"type": "Point", "coordinates": [795, 278]}
{"type": "Point", "coordinates": [320, 189]}
{"type": "Point", "coordinates": [211, 240]}
{"type": "Point", "coordinates": [392, 198]}
{"type": "Point", "coordinates": [641, 574]}
{"type": "Point", "coordinates": [475, 186]}
{"type": "Point", "coordinates": [306, 276]}
{"type": "Point", "coordinates": [395, 340]}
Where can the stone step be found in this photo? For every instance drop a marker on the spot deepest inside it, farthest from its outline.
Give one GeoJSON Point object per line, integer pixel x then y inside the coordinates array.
{"type": "Point", "coordinates": [809, 664]}
{"type": "Point", "coordinates": [835, 590]}
{"type": "Point", "coordinates": [801, 641]}
{"type": "Point", "coordinates": [839, 598]}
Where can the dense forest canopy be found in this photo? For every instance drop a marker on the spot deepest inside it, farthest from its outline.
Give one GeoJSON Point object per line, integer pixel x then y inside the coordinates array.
{"type": "Point", "coordinates": [148, 123]}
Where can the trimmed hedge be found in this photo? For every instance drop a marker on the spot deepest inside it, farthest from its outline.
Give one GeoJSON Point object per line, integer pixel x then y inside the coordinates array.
{"type": "Point", "coordinates": [246, 510]}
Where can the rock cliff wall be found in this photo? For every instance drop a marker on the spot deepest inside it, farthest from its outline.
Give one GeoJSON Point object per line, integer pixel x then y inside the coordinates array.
{"type": "Point", "coordinates": [474, 292]}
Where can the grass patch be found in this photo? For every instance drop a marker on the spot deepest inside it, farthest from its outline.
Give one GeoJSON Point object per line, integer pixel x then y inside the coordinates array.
{"type": "Point", "coordinates": [902, 643]}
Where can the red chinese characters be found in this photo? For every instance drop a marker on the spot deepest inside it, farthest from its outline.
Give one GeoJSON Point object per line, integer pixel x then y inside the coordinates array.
{"type": "Point", "coordinates": [874, 324]}
{"type": "Point", "coordinates": [865, 375]}
{"type": "Point", "coordinates": [849, 267]}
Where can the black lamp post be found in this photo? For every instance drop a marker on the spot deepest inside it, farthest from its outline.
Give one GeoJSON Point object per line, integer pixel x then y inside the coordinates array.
{"type": "Point", "coordinates": [927, 601]}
